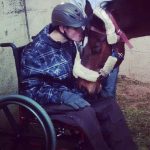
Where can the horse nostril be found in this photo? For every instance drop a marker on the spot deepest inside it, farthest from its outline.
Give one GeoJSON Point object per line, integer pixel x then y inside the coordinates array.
{"type": "Point", "coordinates": [83, 88]}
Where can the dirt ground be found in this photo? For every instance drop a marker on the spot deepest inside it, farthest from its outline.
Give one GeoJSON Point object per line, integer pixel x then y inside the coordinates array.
{"type": "Point", "coordinates": [134, 99]}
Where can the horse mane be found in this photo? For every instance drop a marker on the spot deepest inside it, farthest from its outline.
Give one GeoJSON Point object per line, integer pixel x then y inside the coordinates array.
{"type": "Point", "coordinates": [132, 16]}
{"type": "Point", "coordinates": [136, 11]}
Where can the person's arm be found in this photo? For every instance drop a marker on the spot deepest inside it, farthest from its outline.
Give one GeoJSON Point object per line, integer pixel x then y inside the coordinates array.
{"type": "Point", "coordinates": [59, 94]}
{"type": "Point", "coordinates": [50, 94]}
{"type": "Point", "coordinates": [35, 75]}
{"type": "Point", "coordinates": [34, 72]}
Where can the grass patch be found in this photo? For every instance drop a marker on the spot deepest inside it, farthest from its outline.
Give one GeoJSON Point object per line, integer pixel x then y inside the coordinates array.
{"type": "Point", "coordinates": [134, 100]}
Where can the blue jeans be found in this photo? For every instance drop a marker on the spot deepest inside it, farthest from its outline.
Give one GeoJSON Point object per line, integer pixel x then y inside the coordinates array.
{"type": "Point", "coordinates": [109, 84]}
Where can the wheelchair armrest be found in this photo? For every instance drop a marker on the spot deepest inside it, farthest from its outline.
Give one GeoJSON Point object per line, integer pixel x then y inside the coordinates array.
{"type": "Point", "coordinates": [8, 45]}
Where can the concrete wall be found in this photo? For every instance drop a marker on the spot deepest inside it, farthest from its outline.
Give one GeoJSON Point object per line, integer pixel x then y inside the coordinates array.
{"type": "Point", "coordinates": [137, 60]}
{"type": "Point", "coordinates": [12, 29]}
{"type": "Point", "coordinates": [21, 19]}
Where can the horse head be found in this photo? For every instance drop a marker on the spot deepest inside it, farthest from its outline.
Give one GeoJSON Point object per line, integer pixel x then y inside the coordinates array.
{"type": "Point", "coordinates": [94, 54]}
{"type": "Point", "coordinates": [131, 16]}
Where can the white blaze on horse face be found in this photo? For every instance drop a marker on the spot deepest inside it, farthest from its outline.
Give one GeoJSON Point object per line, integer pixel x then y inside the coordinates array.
{"type": "Point", "coordinates": [112, 37]}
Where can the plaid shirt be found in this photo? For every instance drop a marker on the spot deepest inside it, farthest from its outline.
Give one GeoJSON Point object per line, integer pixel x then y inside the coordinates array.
{"type": "Point", "coordinates": [46, 68]}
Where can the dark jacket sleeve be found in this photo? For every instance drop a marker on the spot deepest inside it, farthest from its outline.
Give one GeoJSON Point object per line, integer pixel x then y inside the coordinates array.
{"type": "Point", "coordinates": [37, 83]}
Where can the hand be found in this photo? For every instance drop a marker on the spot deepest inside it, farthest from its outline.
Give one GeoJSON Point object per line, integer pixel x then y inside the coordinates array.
{"type": "Point", "coordinates": [74, 100]}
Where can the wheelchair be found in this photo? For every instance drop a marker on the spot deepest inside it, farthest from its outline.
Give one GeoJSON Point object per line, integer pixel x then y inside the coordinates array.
{"type": "Point", "coordinates": [19, 137]}
{"type": "Point", "coordinates": [32, 114]}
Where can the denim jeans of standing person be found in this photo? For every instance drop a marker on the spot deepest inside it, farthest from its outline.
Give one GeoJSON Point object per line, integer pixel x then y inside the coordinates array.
{"type": "Point", "coordinates": [109, 84]}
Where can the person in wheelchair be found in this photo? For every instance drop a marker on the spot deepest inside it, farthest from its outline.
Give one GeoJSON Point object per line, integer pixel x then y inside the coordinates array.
{"type": "Point", "coordinates": [46, 77]}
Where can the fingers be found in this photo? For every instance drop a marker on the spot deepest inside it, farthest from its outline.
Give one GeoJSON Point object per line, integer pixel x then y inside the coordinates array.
{"type": "Point", "coordinates": [79, 104]}
{"type": "Point", "coordinates": [75, 106]}
{"type": "Point", "coordinates": [82, 103]}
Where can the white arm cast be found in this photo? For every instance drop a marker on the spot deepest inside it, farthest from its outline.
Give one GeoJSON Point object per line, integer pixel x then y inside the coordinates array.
{"type": "Point", "coordinates": [110, 29]}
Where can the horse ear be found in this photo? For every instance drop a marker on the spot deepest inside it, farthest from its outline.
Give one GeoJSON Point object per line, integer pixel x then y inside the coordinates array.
{"type": "Point", "coordinates": [88, 8]}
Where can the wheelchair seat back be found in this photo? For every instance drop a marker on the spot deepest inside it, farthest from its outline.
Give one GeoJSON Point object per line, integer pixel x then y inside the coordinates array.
{"type": "Point", "coordinates": [17, 51]}
{"type": "Point", "coordinates": [25, 116]}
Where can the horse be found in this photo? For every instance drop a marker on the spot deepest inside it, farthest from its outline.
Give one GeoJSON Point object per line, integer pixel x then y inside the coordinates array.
{"type": "Point", "coordinates": [131, 16]}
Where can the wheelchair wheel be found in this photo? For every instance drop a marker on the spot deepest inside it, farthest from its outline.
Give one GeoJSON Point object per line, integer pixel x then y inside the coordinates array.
{"type": "Point", "coordinates": [15, 135]}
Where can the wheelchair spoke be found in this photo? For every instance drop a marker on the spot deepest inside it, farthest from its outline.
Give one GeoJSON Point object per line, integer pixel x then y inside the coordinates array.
{"type": "Point", "coordinates": [26, 136]}
{"type": "Point", "coordinates": [21, 142]}
{"type": "Point", "coordinates": [11, 119]}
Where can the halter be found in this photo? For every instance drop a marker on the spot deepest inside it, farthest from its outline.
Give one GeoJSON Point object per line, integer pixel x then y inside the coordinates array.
{"type": "Point", "coordinates": [80, 71]}
{"type": "Point", "coordinates": [120, 32]}
{"type": "Point", "coordinates": [92, 28]}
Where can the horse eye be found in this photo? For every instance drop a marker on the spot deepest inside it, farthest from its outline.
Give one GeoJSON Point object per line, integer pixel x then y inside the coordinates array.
{"type": "Point", "coordinates": [97, 44]}
{"type": "Point", "coordinates": [97, 49]}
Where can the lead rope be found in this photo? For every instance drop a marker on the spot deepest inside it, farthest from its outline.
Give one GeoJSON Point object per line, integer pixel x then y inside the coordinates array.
{"type": "Point", "coordinates": [120, 32]}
